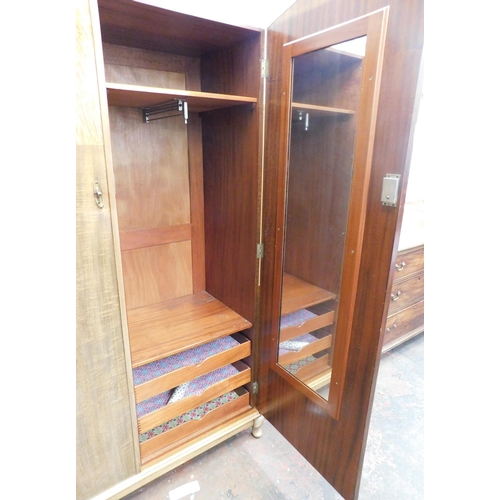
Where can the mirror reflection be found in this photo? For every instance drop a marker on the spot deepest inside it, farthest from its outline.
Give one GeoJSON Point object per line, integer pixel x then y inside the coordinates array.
{"type": "Point", "coordinates": [326, 86]}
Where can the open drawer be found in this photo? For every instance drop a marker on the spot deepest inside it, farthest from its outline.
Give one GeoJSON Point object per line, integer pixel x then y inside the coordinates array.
{"type": "Point", "coordinates": [291, 351]}
{"type": "Point", "coordinates": [305, 320]}
{"type": "Point", "coordinates": [170, 404]}
{"type": "Point", "coordinates": [167, 373]}
{"type": "Point", "coordinates": [191, 424]}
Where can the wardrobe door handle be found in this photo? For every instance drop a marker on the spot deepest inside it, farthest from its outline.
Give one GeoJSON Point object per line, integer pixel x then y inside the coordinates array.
{"type": "Point", "coordinates": [98, 194]}
{"type": "Point", "coordinates": [400, 267]}
{"type": "Point", "coordinates": [395, 297]}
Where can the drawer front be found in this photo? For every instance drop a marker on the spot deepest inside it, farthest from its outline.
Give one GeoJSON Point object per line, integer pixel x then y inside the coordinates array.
{"type": "Point", "coordinates": [404, 324]}
{"type": "Point", "coordinates": [409, 262]}
{"type": "Point", "coordinates": [406, 292]}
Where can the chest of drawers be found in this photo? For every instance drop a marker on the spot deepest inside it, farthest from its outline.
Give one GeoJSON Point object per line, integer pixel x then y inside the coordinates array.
{"type": "Point", "coordinates": [405, 317]}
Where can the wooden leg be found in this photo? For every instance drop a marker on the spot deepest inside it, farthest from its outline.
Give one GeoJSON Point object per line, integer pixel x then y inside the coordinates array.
{"type": "Point", "coordinates": [257, 424]}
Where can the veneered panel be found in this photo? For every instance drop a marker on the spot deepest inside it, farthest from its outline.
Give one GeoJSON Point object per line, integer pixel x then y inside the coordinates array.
{"type": "Point", "coordinates": [151, 169]}
{"type": "Point", "coordinates": [156, 274]}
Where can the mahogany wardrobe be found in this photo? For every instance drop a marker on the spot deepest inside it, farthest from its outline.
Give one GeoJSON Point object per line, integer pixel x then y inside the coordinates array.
{"type": "Point", "coordinates": [239, 203]}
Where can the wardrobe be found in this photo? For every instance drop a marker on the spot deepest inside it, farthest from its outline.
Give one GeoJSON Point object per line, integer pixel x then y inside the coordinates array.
{"type": "Point", "coordinates": [239, 200]}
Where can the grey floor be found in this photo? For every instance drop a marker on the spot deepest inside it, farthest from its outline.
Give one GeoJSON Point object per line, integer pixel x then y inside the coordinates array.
{"type": "Point", "coordinates": [269, 468]}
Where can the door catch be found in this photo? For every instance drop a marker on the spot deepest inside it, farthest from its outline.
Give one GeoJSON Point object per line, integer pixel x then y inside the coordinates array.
{"type": "Point", "coordinates": [98, 194]}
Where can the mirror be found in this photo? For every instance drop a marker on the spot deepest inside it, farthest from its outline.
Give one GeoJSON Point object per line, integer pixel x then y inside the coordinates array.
{"type": "Point", "coordinates": [325, 98]}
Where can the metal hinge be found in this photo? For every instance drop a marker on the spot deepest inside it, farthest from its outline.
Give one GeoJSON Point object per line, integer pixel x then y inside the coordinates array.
{"type": "Point", "coordinates": [264, 68]}
{"type": "Point", "coordinates": [260, 250]}
{"type": "Point", "coordinates": [255, 388]}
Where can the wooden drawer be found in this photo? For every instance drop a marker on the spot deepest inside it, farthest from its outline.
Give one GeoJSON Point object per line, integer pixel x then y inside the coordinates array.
{"type": "Point", "coordinates": [177, 432]}
{"type": "Point", "coordinates": [315, 342]}
{"type": "Point", "coordinates": [305, 321]}
{"type": "Point", "coordinates": [174, 378]}
{"type": "Point", "coordinates": [409, 262]}
{"type": "Point", "coordinates": [174, 409]}
{"type": "Point", "coordinates": [406, 292]}
{"type": "Point", "coordinates": [404, 325]}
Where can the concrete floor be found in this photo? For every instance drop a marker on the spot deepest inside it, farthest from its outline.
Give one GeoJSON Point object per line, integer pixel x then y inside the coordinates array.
{"type": "Point", "coordinates": [269, 468]}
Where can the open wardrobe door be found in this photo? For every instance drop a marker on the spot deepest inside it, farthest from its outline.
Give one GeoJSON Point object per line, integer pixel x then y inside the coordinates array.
{"type": "Point", "coordinates": [340, 97]}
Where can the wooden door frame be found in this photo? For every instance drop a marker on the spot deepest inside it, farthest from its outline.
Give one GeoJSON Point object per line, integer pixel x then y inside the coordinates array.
{"type": "Point", "coordinates": [336, 448]}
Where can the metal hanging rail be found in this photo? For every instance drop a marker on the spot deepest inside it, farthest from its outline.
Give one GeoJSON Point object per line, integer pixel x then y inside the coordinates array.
{"type": "Point", "coordinates": [168, 109]}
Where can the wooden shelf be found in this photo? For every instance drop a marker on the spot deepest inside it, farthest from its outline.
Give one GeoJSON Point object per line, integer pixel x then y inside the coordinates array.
{"type": "Point", "coordinates": [315, 110]}
{"type": "Point", "coordinates": [164, 329]}
{"type": "Point", "coordinates": [138, 96]}
{"type": "Point", "coordinates": [299, 294]}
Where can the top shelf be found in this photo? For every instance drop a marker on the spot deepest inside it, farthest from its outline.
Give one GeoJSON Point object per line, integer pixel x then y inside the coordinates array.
{"type": "Point", "coordinates": [315, 110]}
{"type": "Point", "coordinates": [143, 97]}
{"type": "Point", "coordinates": [299, 294]}
{"type": "Point", "coordinates": [164, 329]}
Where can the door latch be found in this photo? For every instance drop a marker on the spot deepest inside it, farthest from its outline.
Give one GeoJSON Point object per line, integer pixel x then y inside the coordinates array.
{"type": "Point", "coordinates": [98, 194]}
{"type": "Point", "coordinates": [390, 187]}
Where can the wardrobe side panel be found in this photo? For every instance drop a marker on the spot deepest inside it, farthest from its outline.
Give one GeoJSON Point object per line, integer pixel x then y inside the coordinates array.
{"type": "Point", "coordinates": [231, 176]}
{"type": "Point", "coordinates": [104, 448]}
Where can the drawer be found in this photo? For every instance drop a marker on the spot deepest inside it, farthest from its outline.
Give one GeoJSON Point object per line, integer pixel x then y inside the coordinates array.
{"type": "Point", "coordinates": [309, 344]}
{"type": "Point", "coordinates": [170, 372]}
{"type": "Point", "coordinates": [156, 411]}
{"type": "Point", "coordinates": [409, 262]}
{"type": "Point", "coordinates": [404, 325]}
{"type": "Point", "coordinates": [304, 321]}
{"type": "Point", "coordinates": [166, 437]}
{"type": "Point", "coordinates": [406, 292]}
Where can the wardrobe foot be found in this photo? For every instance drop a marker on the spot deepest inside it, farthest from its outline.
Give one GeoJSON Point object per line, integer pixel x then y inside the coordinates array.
{"type": "Point", "coordinates": [257, 424]}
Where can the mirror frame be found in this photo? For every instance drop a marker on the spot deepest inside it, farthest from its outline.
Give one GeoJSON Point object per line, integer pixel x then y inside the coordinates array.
{"type": "Point", "coordinates": [374, 26]}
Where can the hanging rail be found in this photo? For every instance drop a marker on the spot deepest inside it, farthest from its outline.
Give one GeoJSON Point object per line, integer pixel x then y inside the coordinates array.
{"type": "Point", "coordinates": [175, 107]}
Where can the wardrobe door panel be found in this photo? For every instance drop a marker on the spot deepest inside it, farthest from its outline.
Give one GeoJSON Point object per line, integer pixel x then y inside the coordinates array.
{"type": "Point", "coordinates": [332, 438]}
{"type": "Point", "coordinates": [106, 453]}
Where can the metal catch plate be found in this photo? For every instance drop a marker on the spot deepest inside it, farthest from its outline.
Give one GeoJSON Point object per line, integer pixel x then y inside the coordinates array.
{"type": "Point", "coordinates": [390, 188]}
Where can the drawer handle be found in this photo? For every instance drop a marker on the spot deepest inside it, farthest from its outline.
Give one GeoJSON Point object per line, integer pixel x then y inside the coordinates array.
{"type": "Point", "coordinates": [388, 329]}
{"type": "Point", "coordinates": [395, 297]}
{"type": "Point", "coordinates": [400, 267]}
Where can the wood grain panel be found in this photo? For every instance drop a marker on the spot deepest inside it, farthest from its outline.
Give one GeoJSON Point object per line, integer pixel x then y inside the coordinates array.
{"type": "Point", "coordinates": [129, 23]}
{"type": "Point", "coordinates": [197, 202]}
{"type": "Point", "coordinates": [189, 321]}
{"type": "Point", "coordinates": [151, 170]}
{"type": "Point", "coordinates": [105, 453]}
{"type": "Point", "coordinates": [141, 76]}
{"type": "Point", "coordinates": [156, 274]}
{"type": "Point", "coordinates": [336, 448]}
{"type": "Point", "coordinates": [231, 212]}
{"type": "Point", "coordinates": [160, 61]}
{"type": "Point", "coordinates": [299, 294]}
{"type": "Point", "coordinates": [156, 236]}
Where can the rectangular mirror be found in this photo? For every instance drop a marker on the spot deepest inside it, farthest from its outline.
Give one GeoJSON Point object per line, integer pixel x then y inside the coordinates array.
{"type": "Point", "coordinates": [331, 81]}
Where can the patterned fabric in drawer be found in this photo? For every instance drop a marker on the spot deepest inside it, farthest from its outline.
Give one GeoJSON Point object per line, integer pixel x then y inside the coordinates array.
{"type": "Point", "coordinates": [195, 414]}
{"type": "Point", "coordinates": [296, 318]}
{"type": "Point", "coordinates": [193, 356]}
{"type": "Point", "coordinates": [154, 403]}
{"type": "Point", "coordinates": [198, 385]}
{"type": "Point", "coordinates": [297, 343]}
{"type": "Point", "coordinates": [192, 388]}
{"type": "Point", "coordinates": [293, 368]}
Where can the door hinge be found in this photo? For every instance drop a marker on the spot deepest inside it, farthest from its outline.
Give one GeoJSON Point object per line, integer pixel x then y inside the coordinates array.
{"type": "Point", "coordinates": [264, 68]}
{"type": "Point", "coordinates": [260, 250]}
{"type": "Point", "coordinates": [255, 388]}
